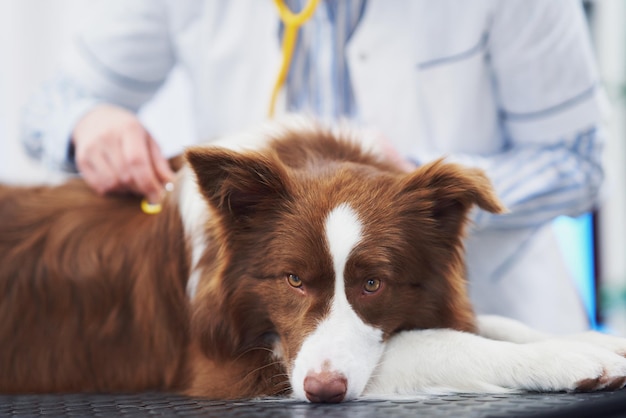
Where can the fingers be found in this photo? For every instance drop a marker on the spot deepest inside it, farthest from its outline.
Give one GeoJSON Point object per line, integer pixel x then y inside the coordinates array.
{"type": "Point", "coordinates": [391, 154]}
{"type": "Point", "coordinates": [137, 156]}
{"type": "Point", "coordinates": [115, 153]}
{"type": "Point", "coordinates": [383, 145]}
{"type": "Point", "coordinates": [98, 173]}
{"type": "Point", "coordinates": [161, 165]}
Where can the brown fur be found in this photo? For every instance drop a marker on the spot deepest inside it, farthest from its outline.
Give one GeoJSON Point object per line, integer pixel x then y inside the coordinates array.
{"type": "Point", "coordinates": [92, 291]}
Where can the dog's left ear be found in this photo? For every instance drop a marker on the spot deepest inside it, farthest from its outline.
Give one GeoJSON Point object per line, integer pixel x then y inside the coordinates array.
{"type": "Point", "coordinates": [452, 191]}
{"type": "Point", "coordinates": [238, 185]}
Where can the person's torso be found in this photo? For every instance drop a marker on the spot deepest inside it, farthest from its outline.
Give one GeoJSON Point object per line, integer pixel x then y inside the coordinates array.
{"type": "Point", "coordinates": [418, 70]}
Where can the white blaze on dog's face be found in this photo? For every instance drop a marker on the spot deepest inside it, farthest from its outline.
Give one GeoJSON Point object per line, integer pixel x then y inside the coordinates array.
{"type": "Point", "coordinates": [336, 360]}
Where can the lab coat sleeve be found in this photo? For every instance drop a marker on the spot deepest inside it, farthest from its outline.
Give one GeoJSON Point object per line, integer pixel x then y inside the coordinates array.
{"type": "Point", "coordinates": [538, 183]}
{"type": "Point", "coordinates": [48, 120]}
{"type": "Point", "coordinates": [122, 56]}
{"type": "Point", "coordinates": [551, 106]}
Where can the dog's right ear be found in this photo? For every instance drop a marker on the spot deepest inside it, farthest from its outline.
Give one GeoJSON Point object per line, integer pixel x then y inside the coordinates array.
{"type": "Point", "coordinates": [237, 184]}
{"type": "Point", "coordinates": [451, 190]}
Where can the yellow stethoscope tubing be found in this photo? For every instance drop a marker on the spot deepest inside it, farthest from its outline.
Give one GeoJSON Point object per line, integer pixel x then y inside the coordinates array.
{"type": "Point", "coordinates": [292, 24]}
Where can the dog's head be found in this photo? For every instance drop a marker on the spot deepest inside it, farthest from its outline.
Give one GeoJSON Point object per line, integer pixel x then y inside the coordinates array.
{"type": "Point", "coordinates": [331, 256]}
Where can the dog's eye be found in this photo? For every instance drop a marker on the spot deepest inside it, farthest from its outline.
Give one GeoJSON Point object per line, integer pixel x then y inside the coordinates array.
{"type": "Point", "coordinates": [294, 280]}
{"type": "Point", "coordinates": [372, 285]}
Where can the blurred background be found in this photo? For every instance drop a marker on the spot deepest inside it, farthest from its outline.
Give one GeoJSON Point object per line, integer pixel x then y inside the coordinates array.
{"type": "Point", "coordinates": [35, 33]}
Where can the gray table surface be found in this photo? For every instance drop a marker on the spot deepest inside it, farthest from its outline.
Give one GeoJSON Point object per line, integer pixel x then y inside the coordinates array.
{"type": "Point", "coordinates": [606, 404]}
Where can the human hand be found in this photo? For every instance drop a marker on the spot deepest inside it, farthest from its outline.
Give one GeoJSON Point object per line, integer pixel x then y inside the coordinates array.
{"type": "Point", "coordinates": [382, 145]}
{"type": "Point", "coordinates": [391, 154]}
{"type": "Point", "coordinates": [116, 154]}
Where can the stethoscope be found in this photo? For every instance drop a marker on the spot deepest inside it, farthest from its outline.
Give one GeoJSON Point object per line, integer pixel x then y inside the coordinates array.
{"type": "Point", "coordinates": [292, 22]}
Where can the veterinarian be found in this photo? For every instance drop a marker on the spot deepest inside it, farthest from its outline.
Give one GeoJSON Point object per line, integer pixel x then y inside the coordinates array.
{"type": "Point", "coordinates": [508, 86]}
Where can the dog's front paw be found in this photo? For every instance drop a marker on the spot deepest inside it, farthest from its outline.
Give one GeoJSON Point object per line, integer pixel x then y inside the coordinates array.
{"type": "Point", "coordinates": [565, 365]}
{"type": "Point", "coordinates": [609, 342]}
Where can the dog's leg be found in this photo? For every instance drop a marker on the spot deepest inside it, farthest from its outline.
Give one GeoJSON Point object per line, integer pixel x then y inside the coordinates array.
{"type": "Point", "coordinates": [505, 329]}
{"type": "Point", "coordinates": [448, 361]}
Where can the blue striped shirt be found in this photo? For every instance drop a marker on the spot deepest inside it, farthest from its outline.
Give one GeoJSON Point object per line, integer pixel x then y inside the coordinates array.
{"type": "Point", "coordinates": [319, 81]}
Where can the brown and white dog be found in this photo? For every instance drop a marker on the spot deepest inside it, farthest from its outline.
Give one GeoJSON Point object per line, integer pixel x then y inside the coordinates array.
{"type": "Point", "coordinates": [308, 266]}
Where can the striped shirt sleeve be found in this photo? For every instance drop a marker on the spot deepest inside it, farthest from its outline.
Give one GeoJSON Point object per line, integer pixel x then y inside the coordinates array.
{"type": "Point", "coordinates": [48, 120]}
{"type": "Point", "coordinates": [538, 182]}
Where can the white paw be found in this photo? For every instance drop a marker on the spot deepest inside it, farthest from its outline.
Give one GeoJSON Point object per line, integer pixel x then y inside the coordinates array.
{"type": "Point", "coordinates": [608, 342]}
{"type": "Point", "coordinates": [565, 365]}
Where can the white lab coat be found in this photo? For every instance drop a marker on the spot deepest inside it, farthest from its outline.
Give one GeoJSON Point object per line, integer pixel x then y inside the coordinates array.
{"type": "Point", "coordinates": [420, 76]}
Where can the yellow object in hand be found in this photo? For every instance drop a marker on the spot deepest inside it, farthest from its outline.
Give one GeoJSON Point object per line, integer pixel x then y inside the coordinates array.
{"type": "Point", "coordinates": [150, 208]}
{"type": "Point", "coordinates": [154, 208]}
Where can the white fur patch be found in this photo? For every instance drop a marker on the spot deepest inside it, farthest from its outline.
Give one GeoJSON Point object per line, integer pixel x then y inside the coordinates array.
{"type": "Point", "coordinates": [194, 214]}
{"type": "Point", "coordinates": [342, 342]}
{"type": "Point", "coordinates": [343, 233]}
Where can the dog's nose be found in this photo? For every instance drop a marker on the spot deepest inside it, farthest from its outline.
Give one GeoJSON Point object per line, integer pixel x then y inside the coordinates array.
{"type": "Point", "coordinates": [325, 387]}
